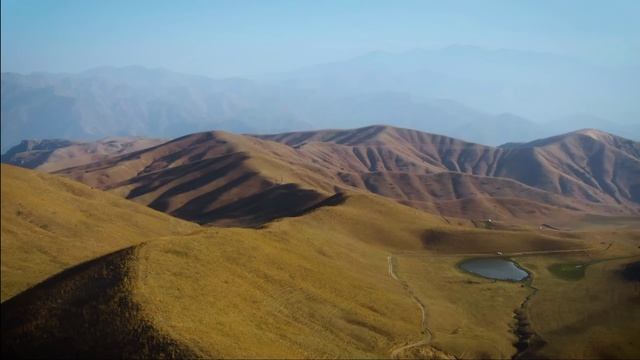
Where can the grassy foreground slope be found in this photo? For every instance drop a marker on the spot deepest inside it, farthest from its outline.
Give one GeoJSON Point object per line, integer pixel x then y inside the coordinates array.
{"type": "Point", "coordinates": [316, 285]}
{"type": "Point", "coordinates": [302, 287]}
{"type": "Point", "coordinates": [84, 312]}
{"type": "Point", "coordinates": [50, 223]}
{"type": "Point", "coordinates": [313, 286]}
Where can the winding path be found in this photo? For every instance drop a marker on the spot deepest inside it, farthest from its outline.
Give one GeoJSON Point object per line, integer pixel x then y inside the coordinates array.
{"type": "Point", "coordinates": [395, 354]}
{"type": "Point", "coordinates": [518, 253]}
{"type": "Point", "coordinates": [423, 325]}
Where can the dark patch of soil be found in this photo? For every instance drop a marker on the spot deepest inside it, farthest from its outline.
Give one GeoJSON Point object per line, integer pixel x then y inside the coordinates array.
{"type": "Point", "coordinates": [631, 272]}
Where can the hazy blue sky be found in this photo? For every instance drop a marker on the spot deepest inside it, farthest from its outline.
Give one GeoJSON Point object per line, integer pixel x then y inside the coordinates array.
{"type": "Point", "coordinates": [235, 38]}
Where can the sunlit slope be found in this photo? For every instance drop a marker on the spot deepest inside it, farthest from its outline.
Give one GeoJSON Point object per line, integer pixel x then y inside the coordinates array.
{"type": "Point", "coordinates": [471, 196]}
{"type": "Point", "coordinates": [309, 286]}
{"type": "Point", "coordinates": [50, 223]}
{"type": "Point", "coordinates": [228, 179]}
{"type": "Point", "coordinates": [213, 177]}
{"type": "Point", "coordinates": [318, 285]}
{"type": "Point", "coordinates": [301, 287]}
{"type": "Point", "coordinates": [294, 294]}
{"type": "Point", "coordinates": [579, 166]}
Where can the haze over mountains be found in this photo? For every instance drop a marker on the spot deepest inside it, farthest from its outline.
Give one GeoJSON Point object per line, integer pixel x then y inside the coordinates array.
{"type": "Point", "coordinates": [536, 85]}
{"type": "Point", "coordinates": [504, 97]}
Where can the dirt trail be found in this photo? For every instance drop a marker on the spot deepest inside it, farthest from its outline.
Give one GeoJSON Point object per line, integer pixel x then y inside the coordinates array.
{"type": "Point", "coordinates": [507, 254]}
{"type": "Point", "coordinates": [528, 341]}
{"type": "Point", "coordinates": [395, 354]}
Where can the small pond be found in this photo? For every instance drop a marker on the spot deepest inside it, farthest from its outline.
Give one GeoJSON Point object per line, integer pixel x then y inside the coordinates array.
{"type": "Point", "coordinates": [495, 268]}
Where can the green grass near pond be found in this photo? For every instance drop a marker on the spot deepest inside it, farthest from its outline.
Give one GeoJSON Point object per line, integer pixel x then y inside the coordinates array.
{"type": "Point", "coordinates": [568, 271]}
{"type": "Point", "coordinates": [574, 271]}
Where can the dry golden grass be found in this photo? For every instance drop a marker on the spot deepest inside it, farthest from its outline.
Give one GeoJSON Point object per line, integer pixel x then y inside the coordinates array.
{"type": "Point", "coordinates": [311, 286]}
{"type": "Point", "coordinates": [301, 287]}
{"type": "Point", "coordinates": [316, 285]}
{"type": "Point", "coordinates": [469, 316]}
{"type": "Point", "coordinates": [595, 317]}
{"type": "Point", "coordinates": [50, 223]}
{"type": "Point", "coordinates": [263, 295]}
{"type": "Point", "coordinates": [84, 312]}
{"type": "Point", "coordinates": [472, 317]}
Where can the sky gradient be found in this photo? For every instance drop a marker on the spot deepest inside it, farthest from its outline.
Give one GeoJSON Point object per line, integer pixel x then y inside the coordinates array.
{"type": "Point", "coordinates": [246, 38]}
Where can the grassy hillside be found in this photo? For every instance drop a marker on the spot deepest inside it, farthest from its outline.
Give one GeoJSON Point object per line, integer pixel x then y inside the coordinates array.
{"type": "Point", "coordinates": [302, 287]}
{"type": "Point", "coordinates": [50, 223]}
{"type": "Point", "coordinates": [598, 311]}
{"type": "Point", "coordinates": [84, 312]}
{"type": "Point", "coordinates": [339, 281]}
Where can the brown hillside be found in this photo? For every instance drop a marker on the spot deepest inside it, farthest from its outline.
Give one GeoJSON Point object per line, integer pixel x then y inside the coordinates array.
{"type": "Point", "coordinates": [52, 155]}
{"type": "Point", "coordinates": [228, 179]}
{"type": "Point", "coordinates": [213, 177]}
{"type": "Point", "coordinates": [578, 165]}
{"type": "Point", "coordinates": [584, 164]}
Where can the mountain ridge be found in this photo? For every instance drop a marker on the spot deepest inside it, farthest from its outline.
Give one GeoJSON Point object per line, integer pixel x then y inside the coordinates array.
{"type": "Point", "coordinates": [55, 154]}
{"type": "Point", "coordinates": [222, 178]}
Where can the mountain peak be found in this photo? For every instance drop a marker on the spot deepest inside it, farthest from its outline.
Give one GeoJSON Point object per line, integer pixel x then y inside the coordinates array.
{"type": "Point", "coordinates": [594, 133]}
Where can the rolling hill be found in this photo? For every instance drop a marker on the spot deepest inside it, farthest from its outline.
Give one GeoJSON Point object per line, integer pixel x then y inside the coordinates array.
{"type": "Point", "coordinates": [55, 154]}
{"type": "Point", "coordinates": [50, 223]}
{"type": "Point", "coordinates": [308, 286]}
{"type": "Point", "coordinates": [227, 179]}
{"type": "Point", "coordinates": [578, 164]}
{"type": "Point", "coordinates": [212, 177]}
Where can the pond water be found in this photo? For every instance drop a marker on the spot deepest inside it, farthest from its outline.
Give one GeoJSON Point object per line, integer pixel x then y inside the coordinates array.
{"type": "Point", "coordinates": [495, 268]}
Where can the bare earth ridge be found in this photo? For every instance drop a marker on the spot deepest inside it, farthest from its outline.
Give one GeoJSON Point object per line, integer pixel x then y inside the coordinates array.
{"type": "Point", "coordinates": [228, 179]}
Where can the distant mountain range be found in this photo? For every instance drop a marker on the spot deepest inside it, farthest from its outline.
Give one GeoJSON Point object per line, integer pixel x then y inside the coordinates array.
{"type": "Point", "coordinates": [133, 101]}
{"type": "Point", "coordinates": [539, 86]}
{"type": "Point", "coordinates": [434, 91]}
{"type": "Point", "coordinates": [224, 178]}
